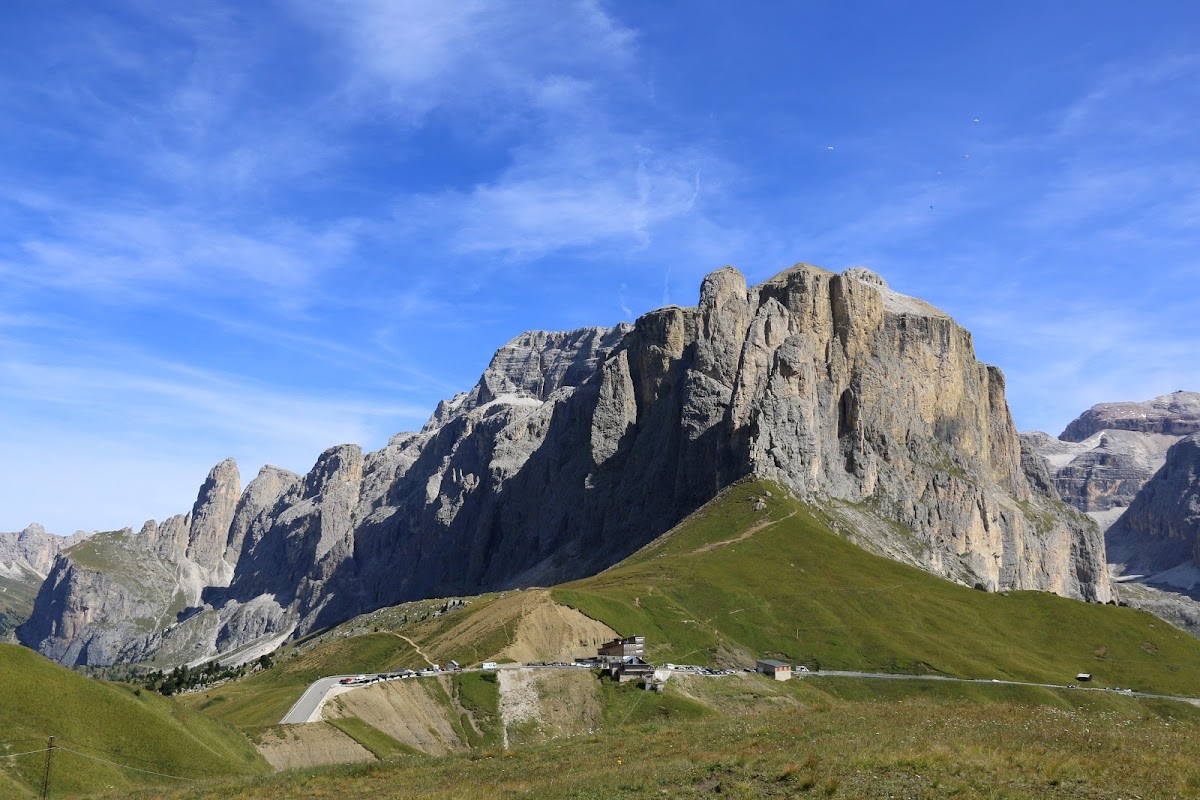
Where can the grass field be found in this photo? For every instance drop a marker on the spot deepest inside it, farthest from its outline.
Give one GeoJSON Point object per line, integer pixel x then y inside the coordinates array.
{"type": "Point", "coordinates": [107, 733]}
{"type": "Point", "coordinates": [806, 739]}
{"type": "Point", "coordinates": [797, 592]}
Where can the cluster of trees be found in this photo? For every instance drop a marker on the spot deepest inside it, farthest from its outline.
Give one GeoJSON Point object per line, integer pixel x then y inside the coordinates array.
{"type": "Point", "coordinates": [183, 678]}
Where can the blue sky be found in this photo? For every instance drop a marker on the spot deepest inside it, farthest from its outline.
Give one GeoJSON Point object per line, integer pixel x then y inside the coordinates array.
{"type": "Point", "coordinates": [260, 229]}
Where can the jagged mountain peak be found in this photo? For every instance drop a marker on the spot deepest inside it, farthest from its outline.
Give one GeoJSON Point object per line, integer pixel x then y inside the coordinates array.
{"type": "Point", "coordinates": [575, 448]}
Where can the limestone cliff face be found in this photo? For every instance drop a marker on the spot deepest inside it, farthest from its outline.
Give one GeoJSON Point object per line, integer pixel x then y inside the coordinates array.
{"type": "Point", "coordinates": [848, 390]}
{"type": "Point", "coordinates": [31, 552]}
{"type": "Point", "coordinates": [575, 449]}
{"type": "Point", "coordinates": [1106, 470]}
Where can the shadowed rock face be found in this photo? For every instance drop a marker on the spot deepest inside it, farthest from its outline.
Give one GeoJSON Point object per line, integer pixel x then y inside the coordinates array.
{"type": "Point", "coordinates": [1161, 529]}
{"type": "Point", "coordinates": [575, 449]}
{"type": "Point", "coordinates": [25, 559]}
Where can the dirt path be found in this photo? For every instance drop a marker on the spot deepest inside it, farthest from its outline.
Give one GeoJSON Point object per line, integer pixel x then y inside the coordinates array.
{"type": "Point", "coordinates": [746, 534]}
{"type": "Point", "coordinates": [414, 647]}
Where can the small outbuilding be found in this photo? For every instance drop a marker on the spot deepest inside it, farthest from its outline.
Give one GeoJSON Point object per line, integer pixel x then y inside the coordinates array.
{"type": "Point", "coordinates": [630, 668]}
{"type": "Point", "coordinates": [777, 669]}
{"type": "Point", "coordinates": [1083, 677]}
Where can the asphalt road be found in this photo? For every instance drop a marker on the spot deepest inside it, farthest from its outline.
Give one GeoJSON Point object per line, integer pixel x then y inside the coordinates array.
{"type": "Point", "coordinates": [304, 708]}
{"type": "Point", "coordinates": [1075, 687]}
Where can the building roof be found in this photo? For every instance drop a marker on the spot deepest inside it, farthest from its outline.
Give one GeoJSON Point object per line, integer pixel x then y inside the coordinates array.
{"type": "Point", "coordinates": [772, 663]}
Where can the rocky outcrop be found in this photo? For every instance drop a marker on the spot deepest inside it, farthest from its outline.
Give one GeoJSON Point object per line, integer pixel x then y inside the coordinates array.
{"type": "Point", "coordinates": [1102, 460]}
{"type": "Point", "coordinates": [575, 449]}
{"type": "Point", "coordinates": [31, 552]}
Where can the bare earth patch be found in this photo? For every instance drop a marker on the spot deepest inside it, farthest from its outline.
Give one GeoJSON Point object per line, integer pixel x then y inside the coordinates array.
{"type": "Point", "coordinates": [404, 710]}
{"type": "Point", "coordinates": [310, 745]}
{"type": "Point", "coordinates": [536, 705]}
{"type": "Point", "coordinates": [548, 631]}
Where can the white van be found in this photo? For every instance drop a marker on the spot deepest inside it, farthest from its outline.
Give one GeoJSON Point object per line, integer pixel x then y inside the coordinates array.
{"type": "Point", "coordinates": [489, 665]}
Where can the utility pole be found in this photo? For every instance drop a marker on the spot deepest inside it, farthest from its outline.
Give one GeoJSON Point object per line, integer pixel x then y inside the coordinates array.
{"type": "Point", "coordinates": [46, 777]}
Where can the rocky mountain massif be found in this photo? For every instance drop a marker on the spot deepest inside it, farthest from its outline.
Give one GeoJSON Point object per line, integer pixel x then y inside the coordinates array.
{"type": "Point", "coordinates": [25, 559]}
{"type": "Point", "coordinates": [1135, 469]}
{"type": "Point", "coordinates": [575, 449]}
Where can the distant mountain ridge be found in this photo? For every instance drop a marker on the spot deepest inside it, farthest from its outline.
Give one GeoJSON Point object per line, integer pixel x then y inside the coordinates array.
{"type": "Point", "coordinates": [575, 449]}
{"type": "Point", "coordinates": [1134, 467]}
{"type": "Point", "coordinates": [1104, 459]}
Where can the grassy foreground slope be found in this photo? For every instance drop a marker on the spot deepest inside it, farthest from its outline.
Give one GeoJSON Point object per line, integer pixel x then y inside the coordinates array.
{"type": "Point", "coordinates": [108, 733]}
{"type": "Point", "coordinates": [756, 573]}
{"type": "Point", "coordinates": [799, 739]}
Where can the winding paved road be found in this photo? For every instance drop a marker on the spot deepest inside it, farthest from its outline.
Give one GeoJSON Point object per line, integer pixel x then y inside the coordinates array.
{"type": "Point", "coordinates": [306, 708]}
{"type": "Point", "coordinates": [310, 702]}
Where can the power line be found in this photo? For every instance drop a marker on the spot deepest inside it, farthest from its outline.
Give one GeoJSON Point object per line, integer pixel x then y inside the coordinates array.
{"type": "Point", "coordinates": [25, 739]}
{"type": "Point", "coordinates": [126, 766]}
{"type": "Point", "coordinates": [16, 755]}
{"type": "Point", "coordinates": [135, 758]}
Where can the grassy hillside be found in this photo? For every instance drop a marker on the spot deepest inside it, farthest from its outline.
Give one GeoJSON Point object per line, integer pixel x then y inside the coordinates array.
{"type": "Point", "coordinates": [805, 739]}
{"type": "Point", "coordinates": [102, 726]}
{"type": "Point", "coordinates": [739, 581]}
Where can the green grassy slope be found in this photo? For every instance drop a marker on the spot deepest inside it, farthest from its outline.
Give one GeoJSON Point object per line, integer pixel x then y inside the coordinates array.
{"type": "Point", "coordinates": [795, 591]}
{"type": "Point", "coordinates": [105, 721]}
{"type": "Point", "coordinates": [925, 740]}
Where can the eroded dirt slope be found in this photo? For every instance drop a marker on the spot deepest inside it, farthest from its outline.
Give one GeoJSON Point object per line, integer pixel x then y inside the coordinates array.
{"type": "Point", "coordinates": [310, 745]}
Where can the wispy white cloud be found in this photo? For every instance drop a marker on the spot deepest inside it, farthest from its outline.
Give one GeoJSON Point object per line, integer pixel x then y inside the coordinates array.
{"type": "Point", "coordinates": [134, 440]}
{"type": "Point", "coordinates": [582, 193]}
{"type": "Point", "coordinates": [474, 55]}
{"type": "Point", "coordinates": [142, 252]}
{"type": "Point", "coordinates": [164, 394]}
